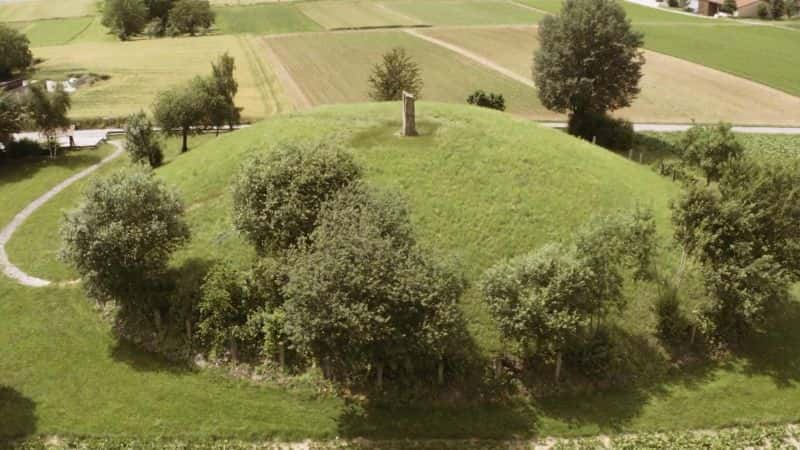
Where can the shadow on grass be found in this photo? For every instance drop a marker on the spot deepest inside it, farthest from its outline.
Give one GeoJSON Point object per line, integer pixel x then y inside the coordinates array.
{"type": "Point", "coordinates": [18, 170]}
{"type": "Point", "coordinates": [776, 352]}
{"type": "Point", "coordinates": [141, 360]}
{"type": "Point", "coordinates": [17, 415]}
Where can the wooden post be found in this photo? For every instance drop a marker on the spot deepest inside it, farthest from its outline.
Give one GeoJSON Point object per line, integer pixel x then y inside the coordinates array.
{"type": "Point", "coordinates": [379, 376]}
{"type": "Point", "coordinates": [558, 366]}
{"type": "Point", "coordinates": [409, 115]}
{"type": "Point", "coordinates": [282, 355]}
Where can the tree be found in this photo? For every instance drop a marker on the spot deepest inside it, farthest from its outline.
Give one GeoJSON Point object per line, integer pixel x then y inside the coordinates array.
{"type": "Point", "coordinates": [711, 148]}
{"type": "Point", "coordinates": [589, 61]}
{"type": "Point", "coordinates": [158, 10]}
{"type": "Point", "coordinates": [540, 300]}
{"type": "Point", "coordinates": [121, 237]}
{"type": "Point", "coordinates": [10, 119]}
{"type": "Point", "coordinates": [277, 196]}
{"type": "Point", "coordinates": [397, 73]}
{"type": "Point", "coordinates": [48, 111]}
{"type": "Point", "coordinates": [125, 17]}
{"type": "Point", "coordinates": [220, 91]}
{"type": "Point", "coordinates": [141, 140]}
{"type": "Point", "coordinates": [744, 234]}
{"type": "Point", "coordinates": [189, 16]}
{"type": "Point", "coordinates": [15, 52]}
{"type": "Point", "coordinates": [729, 6]}
{"type": "Point", "coordinates": [778, 9]}
{"type": "Point", "coordinates": [179, 110]}
{"type": "Point", "coordinates": [360, 293]}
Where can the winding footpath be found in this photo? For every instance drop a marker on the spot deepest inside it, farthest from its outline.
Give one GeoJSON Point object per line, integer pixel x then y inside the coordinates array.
{"type": "Point", "coordinates": [10, 269]}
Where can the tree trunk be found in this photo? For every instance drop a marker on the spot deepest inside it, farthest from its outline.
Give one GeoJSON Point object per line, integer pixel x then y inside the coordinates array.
{"type": "Point", "coordinates": [558, 367]}
{"type": "Point", "coordinates": [234, 349]}
{"type": "Point", "coordinates": [379, 376]}
{"type": "Point", "coordinates": [188, 324]}
{"type": "Point", "coordinates": [440, 372]}
{"type": "Point", "coordinates": [694, 332]}
{"type": "Point", "coordinates": [157, 319]}
{"type": "Point", "coordinates": [282, 355]}
{"type": "Point", "coordinates": [185, 146]}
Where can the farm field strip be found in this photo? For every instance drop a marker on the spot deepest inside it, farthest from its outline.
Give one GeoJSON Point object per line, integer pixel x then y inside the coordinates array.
{"type": "Point", "coordinates": [466, 12]}
{"type": "Point", "coordinates": [336, 70]}
{"type": "Point", "coordinates": [46, 9]}
{"type": "Point", "coordinates": [335, 14]}
{"type": "Point", "coordinates": [673, 90]}
{"type": "Point", "coordinates": [139, 69]}
{"type": "Point", "coordinates": [264, 18]}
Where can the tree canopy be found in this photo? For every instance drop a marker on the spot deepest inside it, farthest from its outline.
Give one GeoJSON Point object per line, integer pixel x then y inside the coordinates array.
{"type": "Point", "coordinates": [396, 73]}
{"type": "Point", "coordinates": [179, 110]}
{"type": "Point", "coordinates": [10, 118]}
{"type": "Point", "coordinates": [190, 16]}
{"type": "Point", "coordinates": [48, 111]}
{"type": "Point", "coordinates": [125, 18]}
{"type": "Point", "coordinates": [141, 140]}
{"type": "Point", "coordinates": [15, 52]}
{"type": "Point", "coordinates": [589, 60]}
{"type": "Point", "coordinates": [711, 148]}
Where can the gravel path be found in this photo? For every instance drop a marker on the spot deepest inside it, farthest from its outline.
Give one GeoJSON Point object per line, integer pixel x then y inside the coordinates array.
{"type": "Point", "coordinates": [10, 269]}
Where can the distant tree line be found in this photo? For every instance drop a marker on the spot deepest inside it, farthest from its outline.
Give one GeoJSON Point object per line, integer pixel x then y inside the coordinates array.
{"type": "Point", "coordinates": [127, 18]}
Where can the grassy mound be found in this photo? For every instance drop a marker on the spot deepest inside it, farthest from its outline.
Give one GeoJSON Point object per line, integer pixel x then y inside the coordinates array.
{"type": "Point", "coordinates": [481, 185]}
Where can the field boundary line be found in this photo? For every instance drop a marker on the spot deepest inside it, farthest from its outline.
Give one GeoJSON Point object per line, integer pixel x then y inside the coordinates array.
{"type": "Point", "coordinates": [475, 57]}
{"type": "Point", "coordinates": [77, 35]}
{"type": "Point", "coordinates": [524, 6]}
{"type": "Point", "coordinates": [292, 89]}
{"type": "Point", "coordinates": [14, 272]}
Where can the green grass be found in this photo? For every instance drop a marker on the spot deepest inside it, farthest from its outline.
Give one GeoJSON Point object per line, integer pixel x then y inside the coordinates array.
{"type": "Point", "coordinates": [46, 9]}
{"type": "Point", "coordinates": [481, 185]}
{"type": "Point", "coordinates": [336, 70]}
{"type": "Point", "coordinates": [766, 55]}
{"type": "Point", "coordinates": [263, 19]}
{"type": "Point", "coordinates": [470, 12]}
{"type": "Point", "coordinates": [55, 31]}
{"type": "Point", "coordinates": [343, 14]}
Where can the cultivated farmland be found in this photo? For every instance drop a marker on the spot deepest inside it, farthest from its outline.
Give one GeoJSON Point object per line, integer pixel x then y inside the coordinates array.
{"type": "Point", "coordinates": [140, 69]}
{"type": "Point", "coordinates": [336, 69]}
{"type": "Point", "coordinates": [353, 14]}
{"type": "Point", "coordinates": [45, 9]}
{"type": "Point", "coordinates": [673, 90]}
{"type": "Point", "coordinates": [469, 12]}
{"type": "Point", "coordinates": [263, 19]}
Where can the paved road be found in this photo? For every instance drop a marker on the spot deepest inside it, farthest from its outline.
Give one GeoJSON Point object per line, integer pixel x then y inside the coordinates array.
{"type": "Point", "coordinates": [660, 127]}
{"type": "Point", "coordinates": [83, 138]}
{"type": "Point", "coordinates": [10, 269]}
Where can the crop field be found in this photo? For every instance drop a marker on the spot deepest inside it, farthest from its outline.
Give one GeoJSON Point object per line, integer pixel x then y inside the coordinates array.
{"type": "Point", "coordinates": [673, 90]}
{"type": "Point", "coordinates": [267, 18]}
{"type": "Point", "coordinates": [139, 69]}
{"type": "Point", "coordinates": [26, 10]}
{"type": "Point", "coordinates": [469, 12]}
{"type": "Point", "coordinates": [336, 69]}
{"type": "Point", "coordinates": [353, 14]}
{"type": "Point", "coordinates": [54, 31]}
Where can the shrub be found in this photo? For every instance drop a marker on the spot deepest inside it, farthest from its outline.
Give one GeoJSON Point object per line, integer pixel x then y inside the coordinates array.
{"type": "Point", "coordinates": [141, 141]}
{"type": "Point", "coordinates": [603, 130]}
{"type": "Point", "coordinates": [728, 6]}
{"type": "Point", "coordinates": [361, 293]}
{"type": "Point", "coordinates": [671, 325]}
{"type": "Point", "coordinates": [778, 9]}
{"type": "Point", "coordinates": [711, 148]}
{"type": "Point", "coordinates": [395, 74]}
{"type": "Point", "coordinates": [673, 3]}
{"type": "Point", "coordinates": [22, 148]}
{"type": "Point", "coordinates": [764, 10]}
{"type": "Point", "coordinates": [10, 119]}
{"type": "Point", "coordinates": [588, 67]}
{"type": "Point", "coordinates": [492, 101]}
{"type": "Point", "coordinates": [121, 237]}
{"type": "Point", "coordinates": [277, 196]}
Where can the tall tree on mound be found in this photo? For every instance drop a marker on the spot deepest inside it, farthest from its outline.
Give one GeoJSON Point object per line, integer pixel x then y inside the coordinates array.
{"type": "Point", "coordinates": [15, 52]}
{"type": "Point", "coordinates": [125, 17]}
{"type": "Point", "coordinates": [589, 61]}
{"type": "Point", "coordinates": [395, 74]}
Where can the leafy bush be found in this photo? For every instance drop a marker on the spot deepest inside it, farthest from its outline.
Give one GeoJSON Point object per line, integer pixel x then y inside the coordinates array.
{"type": "Point", "coordinates": [16, 56]}
{"type": "Point", "coordinates": [778, 9]}
{"type": "Point", "coordinates": [492, 101]}
{"type": "Point", "coordinates": [125, 17]}
{"type": "Point", "coordinates": [764, 10]}
{"type": "Point", "coordinates": [671, 326]}
{"type": "Point", "coordinates": [712, 148]}
{"type": "Point", "coordinates": [395, 74]}
{"type": "Point", "coordinates": [141, 141]}
{"type": "Point", "coordinates": [360, 293]}
{"type": "Point", "coordinates": [603, 130]}
{"type": "Point", "coordinates": [278, 195]}
{"type": "Point", "coordinates": [121, 237]}
{"type": "Point", "coordinates": [728, 6]}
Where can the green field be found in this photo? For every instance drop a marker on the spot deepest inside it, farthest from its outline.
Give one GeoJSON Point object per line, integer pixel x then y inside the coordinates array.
{"type": "Point", "coordinates": [263, 19]}
{"type": "Point", "coordinates": [673, 90]}
{"type": "Point", "coordinates": [54, 31]}
{"type": "Point", "coordinates": [344, 14]}
{"type": "Point", "coordinates": [470, 12]}
{"type": "Point", "coordinates": [481, 185]}
{"type": "Point", "coordinates": [139, 69]}
{"type": "Point", "coordinates": [768, 55]}
{"type": "Point", "coordinates": [336, 69]}
{"type": "Point", "coordinates": [45, 9]}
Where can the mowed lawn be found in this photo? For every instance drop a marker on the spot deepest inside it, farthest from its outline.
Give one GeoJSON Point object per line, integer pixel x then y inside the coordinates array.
{"type": "Point", "coordinates": [139, 69]}
{"type": "Point", "coordinates": [481, 185]}
{"type": "Point", "coordinates": [344, 14]}
{"type": "Point", "coordinates": [469, 12]}
{"type": "Point", "coordinates": [335, 69]}
{"type": "Point", "coordinates": [768, 55]}
{"type": "Point", "coordinates": [673, 90]}
{"type": "Point", "coordinates": [45, 9]}
{"type": "Point", "coordinates": [266, 18]}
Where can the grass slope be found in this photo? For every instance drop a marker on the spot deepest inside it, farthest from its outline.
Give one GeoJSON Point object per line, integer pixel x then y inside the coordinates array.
{"type": "Point", "coordinates": [263, 19]}
{"type": "Point", "coordinates": [481, 185]}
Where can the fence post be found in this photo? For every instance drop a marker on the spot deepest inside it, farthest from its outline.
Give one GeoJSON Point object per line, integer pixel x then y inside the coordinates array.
{"type": "Point", "coordinates": [409, 115]}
